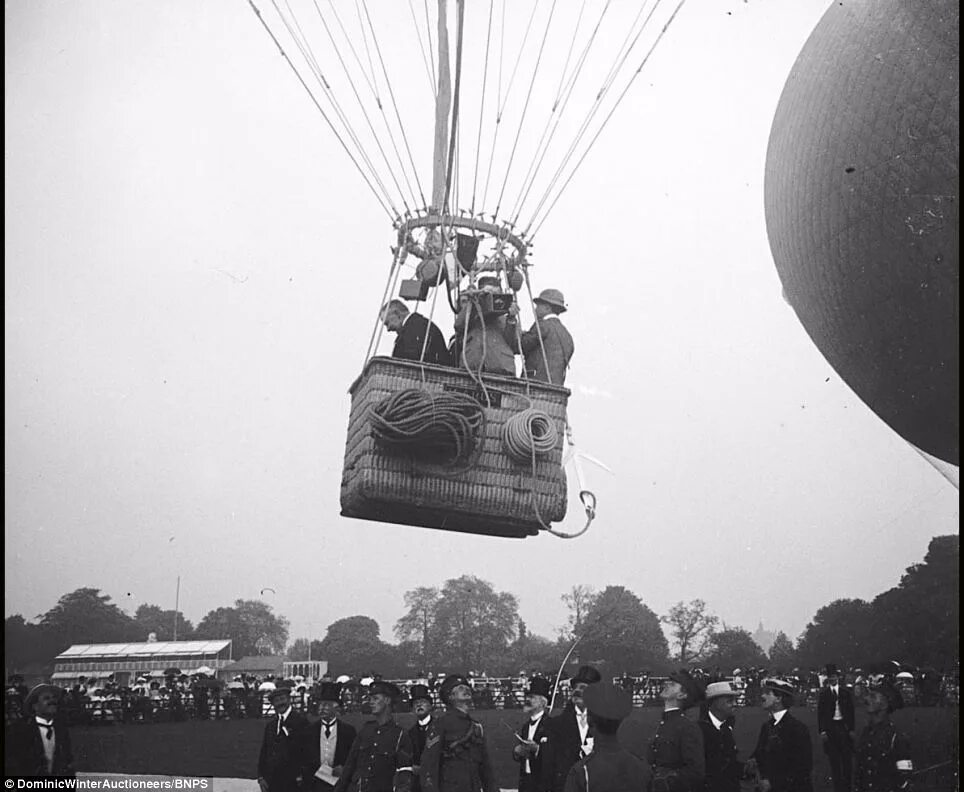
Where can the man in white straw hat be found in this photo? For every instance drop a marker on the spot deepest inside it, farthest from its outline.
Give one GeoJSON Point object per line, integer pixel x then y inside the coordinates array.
{"type": "Point", "coordinates": [723, 768]}
{"type": "Point", "coordinates": [783, 759]}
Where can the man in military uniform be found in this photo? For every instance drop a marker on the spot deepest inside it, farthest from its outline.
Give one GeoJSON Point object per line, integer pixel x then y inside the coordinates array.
{"type": "Point", "coordinates": [280, 761]}
{"type": "Point", "coordinates": [422, 706]}
{"type": "Point", "coordinates": [883, 753]}
{"type": "Point", "coordinates": [380, 759]}
{"type": "Point", "coordinates": [569, 738]}
{"type": "Point", "coordinates": [610, 767]}
{"type": "Point", "coordinates": [676, 750]}
{"type": "Point", "coordinates": [456, 757]}
{"type": "Point", "coordinates": [723, 768]}
{"type": "Point", "coordinates": [532, 737]}
{"type": "Point", "coordinates": [783, 759]}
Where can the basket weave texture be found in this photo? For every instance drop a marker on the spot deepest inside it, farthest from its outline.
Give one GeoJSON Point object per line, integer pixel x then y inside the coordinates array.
{"type": "Point", "coordinates": [494, 495]}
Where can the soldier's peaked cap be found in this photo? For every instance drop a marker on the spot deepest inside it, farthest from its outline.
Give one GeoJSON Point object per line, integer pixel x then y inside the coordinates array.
{"type": "Point", "coordinates": [693, 687]}
{"type": "Point", "coordinates": [605, 700]}
{"type": "Point", "coordinates": [451, 682]}
{"type": "Point", "coordinates": [586, 674]}
{"type": "Point", "coordinates": [385, 688]}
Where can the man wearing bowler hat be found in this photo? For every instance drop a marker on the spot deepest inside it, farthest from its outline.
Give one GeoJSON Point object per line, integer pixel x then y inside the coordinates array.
{"type": "Point", "coordinates": [723, 768]}
{"type": "Point", "coordinates": [532, 737]}
{"type": "Point", "coordinates": [569, 736]}
{"type": "Point", "coordinates": [380, 759]}
{"type": "Point", "coordinates": [610, 767]}
{"type": "Point", "coordinates": [422, 706]}
{"type": "Point", "coordinates": [327, 742]}
{"type": "Point", "coordinates": [547, 346]}
{"type": "Point", "coordinates": [280, 762]}
{"type": "Point", "coordinates": [836, 723]}
{"type": "Point", "coordinates": [783, 759]}
{"type": "Point", "coordinates": [456, 756]}
{"type": "Point", "coordinates": [39, 744]}
{"type": "Point", "coordinates": [676, 750]}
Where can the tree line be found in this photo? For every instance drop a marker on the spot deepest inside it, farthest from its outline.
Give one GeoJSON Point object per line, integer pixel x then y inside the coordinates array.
{"type": "Point", "coordinates": [467, 625]}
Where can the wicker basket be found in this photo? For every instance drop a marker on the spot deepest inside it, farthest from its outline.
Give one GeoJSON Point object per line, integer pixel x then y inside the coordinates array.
{"type": "Point", "coordinates": [494, 496]}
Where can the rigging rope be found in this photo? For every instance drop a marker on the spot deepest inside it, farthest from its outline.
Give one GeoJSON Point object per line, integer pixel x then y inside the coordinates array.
{"type": "Point", "coordinates": [529, 432]}
{"type": "Point", "coordinates": [485, 78]}
{"type": "Point", "coordinates": [421, 45]}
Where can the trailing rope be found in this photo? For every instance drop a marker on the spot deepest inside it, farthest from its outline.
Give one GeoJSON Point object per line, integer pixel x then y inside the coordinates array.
{"type": "Point", "coordinates": [438, 425]}
{"type": "Point", "coordinates": [529, 432]}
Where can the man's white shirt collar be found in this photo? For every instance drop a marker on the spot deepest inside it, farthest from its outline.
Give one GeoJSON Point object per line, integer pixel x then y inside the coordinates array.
{"type": "Point", "coordinates": [777, 716]}
{"type": "Point", "coordinates": [716, 721]}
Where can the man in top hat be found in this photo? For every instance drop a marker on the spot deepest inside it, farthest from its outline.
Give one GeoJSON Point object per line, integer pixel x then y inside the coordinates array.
{"type": "Point", "coordinates": [39, 744]}
{"type": "Point", "coordinates": [380, 759]}
{"type": "Point", "coordinates": [456, 756]}
{"type": "Point", "coordinates": [883, 754]}
{"type": "Point", "coordinates": [723, 769]}
{"type": "Point", "coordinates": [836, 723]}
{"type": "Point", "coordinates": [610, 767]}
{"type": "Point", "coordinates": [484, 342]}
{"type": "Point", "coordinates": [783, 759]}
{"type": "Point", "coordinates": [411, 329]}
{"type": "Point", "coordinates": [532, 736]}
{"type": "Point", "coordinates": [547, 346]}
{"type": "Point", "coordinates": [569, 736]}
{"type": "Point", "coordinates": [422, 706]}
{"type": "Point", "coordinates": [280, 762]}
{"type": "Point", "coordinates": [676, 750]}
{"type": "Point", "coordinates": [327, 742]}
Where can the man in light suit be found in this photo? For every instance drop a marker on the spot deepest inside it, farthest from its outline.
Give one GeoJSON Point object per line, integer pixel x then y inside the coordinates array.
{"type": "Point", "coordinates": [547, 346]}
{"type": "Point", "coordinates": [836, 723]}
{"type": "Point", "coordinates": [327, 742]}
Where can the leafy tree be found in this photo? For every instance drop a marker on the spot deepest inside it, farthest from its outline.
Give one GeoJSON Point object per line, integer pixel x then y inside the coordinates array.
{"type": "Point", "coordinates": [474, 624]}
{"type": "Point", "coordinates": [838, 634]}
{"type": "Point", "coordinates": [734, 647]}
{"type": "Point", "coordinates": [917, 621]}
{"type": "Point", "coordinates": [621, 630]}
{"type": "Point", "coordinates": [250, 624]}
{"type": "Point", "coordinates": [531, 652]}
{"type": "Point", "coordinates": [87, 616]}
{"type": "Point", "coordinates": [25, 643]}
{"type": "Point", "coordinates": [783, 657]}
{"type": "Point", "coordinates": [692, 629]}
{"type": "Point", "coordinates": [579, 599]}
{"type": "Point", "coordinates": [418, 624]}
{"type": "Point", "coordinates": [299, 650]}
{"type": "Point", "coordinates": [152, 619]}
{"type": "Point", "coordinates": [352, 645]}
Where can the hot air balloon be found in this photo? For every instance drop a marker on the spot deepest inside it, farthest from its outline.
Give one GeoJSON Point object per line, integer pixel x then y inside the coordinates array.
{"type": "Point", "coordinates": [466, 122]}
{"type": "Point", "coordinates": [861, 197]}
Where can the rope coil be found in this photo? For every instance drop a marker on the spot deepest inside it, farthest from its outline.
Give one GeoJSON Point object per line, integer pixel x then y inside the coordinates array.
{"type": "Point", "coordinates": [435, 425]}
{"type": "Point", "coordinates": [528, 433]}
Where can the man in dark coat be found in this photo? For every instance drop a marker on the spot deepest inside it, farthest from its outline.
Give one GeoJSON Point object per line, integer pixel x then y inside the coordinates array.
{"type": "Point", "coordinates": [411, 329]}
{"type": "Point", "coordinates": [456, 756]}
{"type": "Point", "coordinates": [723, 767]}
{"type": "Point", "coordinates": [676, 750]}
{"type": "Point", "coordinates": [280, 762]}
{"type": "Point", "coordinates": [327, 742]}
{"type": "Point", "coordinates": [422, 707]}
{"type": "Point", "coordinates": [547, 346]}
{"type": "Point", "coordinates": [883, 754]}
{"type": "Point", "coordinates": [569, 736]}
{"type": "Point", "coordinates": [38, 744]}
{"type": "Point", "coordinates": [835, 722]}
{"type": "Point", "coordinates": [380, 759]}
{"type": "Point", "coordinates": [484, 342]}
{"type": "Point", "coordinates": [532, 737]}
{"type": "Point", "coordinates": [610, 767]}
{"type": "Point", "coordinates": [783, 759]}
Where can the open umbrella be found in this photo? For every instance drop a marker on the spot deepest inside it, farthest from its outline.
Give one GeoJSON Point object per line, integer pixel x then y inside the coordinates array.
{"type": "Point", "coordinates": [204, 670]}
{"type": "Point", "coordinates": [905, 675]}
{"type": "Point", "coordinates": [236, 686]}
{"type": "Point", "coordinates": [343, 679]}
{"type": "Point", "coordinates": [266, 686]}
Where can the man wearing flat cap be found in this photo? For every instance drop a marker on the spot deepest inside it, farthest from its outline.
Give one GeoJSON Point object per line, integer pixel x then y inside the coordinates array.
{"type": "Point", "coordinates": [610, 767]}
{"type": "Point", "coordinates": [456, 756]}
{"type": "Point", "coordinates": [327, 742]}
{"type": "Point", "coordinates": [380, 759]}
{"type": "Point", "coordinates": [569, 736]}
{"type": "Point", "coordinates": [422, 706]}
{"type": "Point", "coordinates": [39, 744]}
{"type": "Point", "coordinates": [547, 346]}
{"type": "Point", "coordinates": [532, 737]}
{"type": "Point", "coordinates": [883, 754]}
{"type": "Point", "coordinates": [783, 759]}
{"type": "Point", "coordinates": [280, 763]}
{"type": "Point", "coordinates": [676, 750]}
{"type": "Point", "coordinates": [836, 723]}
{"type": "Point", "coordinates": [723, 768]}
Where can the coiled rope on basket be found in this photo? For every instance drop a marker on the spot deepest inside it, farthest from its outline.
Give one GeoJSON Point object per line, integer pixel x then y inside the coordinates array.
{"type": "Point", "coordinates": [440, 425]}
{"type": "Point", "coordinates": [529, 432]}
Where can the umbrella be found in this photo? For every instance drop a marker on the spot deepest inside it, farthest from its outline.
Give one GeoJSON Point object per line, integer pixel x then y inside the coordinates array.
{"type": "Point", "coordinates": [266, 686]}
{"type": "Point", "coordinates": [343, 679]}
{"type": "Point", "coordinates": [205, 670]}
{"type": "Point", "coordinates": [298, 678]}
{"type": "Point", "coordinates": [236, 686]}
{"type": "Point", "coordinates": [905, 675]}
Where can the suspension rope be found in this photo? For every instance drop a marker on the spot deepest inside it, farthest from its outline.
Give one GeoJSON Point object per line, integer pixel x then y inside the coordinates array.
{"type": "Point", "coordinates": [498, 113]}
{"type": "Point", "coordinates": [606, 120]}
{"type": "Point", "coordinates": [384, 203]}
{"type": "Point", "coordinates": [421, 44]}
{"type": "Point", "coordinates": [368, 52]}
{"type": "Point", "coordinates": [485, 79]}
{"type": "Point", "coordinates": [400, 253]}
{"type": "Point", "coordinates": [431, 47]}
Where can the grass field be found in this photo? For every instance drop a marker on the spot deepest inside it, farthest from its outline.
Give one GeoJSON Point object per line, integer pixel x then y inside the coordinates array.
{"type": "Point", "coordinates": [230, 748]}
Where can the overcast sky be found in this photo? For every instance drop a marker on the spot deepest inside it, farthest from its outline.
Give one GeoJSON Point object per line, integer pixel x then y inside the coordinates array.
{"type": "Point", "coordinates": [193, 269]}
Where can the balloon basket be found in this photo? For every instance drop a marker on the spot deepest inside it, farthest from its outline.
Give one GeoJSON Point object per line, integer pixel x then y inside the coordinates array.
{"type": "Point", "coordinates": [493, 494]}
